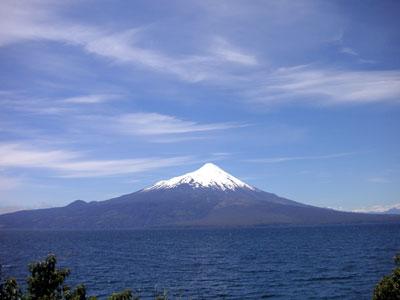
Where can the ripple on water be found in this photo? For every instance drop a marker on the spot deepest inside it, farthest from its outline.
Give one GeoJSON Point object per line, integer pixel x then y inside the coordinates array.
{"type": "Point", "coordinates": [269, 263]}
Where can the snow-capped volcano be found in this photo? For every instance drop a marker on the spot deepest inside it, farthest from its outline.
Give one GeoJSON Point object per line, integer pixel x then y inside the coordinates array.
{"type": "Point", "coordinates": [208, 176]}
{"type": "Point", "coordinates": [208, 196]}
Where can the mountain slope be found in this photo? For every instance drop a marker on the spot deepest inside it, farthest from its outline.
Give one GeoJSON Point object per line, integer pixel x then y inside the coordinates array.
{"type": "Point", "coordinates": [206, 197]}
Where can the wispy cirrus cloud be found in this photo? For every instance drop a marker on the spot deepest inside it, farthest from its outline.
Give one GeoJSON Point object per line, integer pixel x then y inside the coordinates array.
{"type": "Point", "coordinates": [31, 21]}
{"type": "Point", "coordinates": [348, 50]}
{"type": "Point", "coordinates": [272, 160]}
{"type": "Point", "coordinates": [379, 179]}
{"type": "Point", "coordinates": [99, 168]}
{"type": "Point", "coordinates": [124, 47]}
{"type": "Point", "coordinates": [27, 21]}
{"type": "Point", "coordinates": [75, 164]}
{"type": "Point", "coordinates": [152, 124]}
{"type": "Point", "coordinates": [16, 101]}
{"type": "Point", "coordinates": [385, 176]}
{"type": "Point", "coordinates": [161, 128]}
{"type": "Point", "coordinates": [154, 127]}
{"type": "Point", "coordinates": [90, 99]}
{"type": "Point", "coordinates": [20, 102]}
{"type": "Point", "coordinates": [226, 51]}
{"type": "Point", "coordinates": [17, 155]}
{"type": "Point", "coordinates": [325, 86]}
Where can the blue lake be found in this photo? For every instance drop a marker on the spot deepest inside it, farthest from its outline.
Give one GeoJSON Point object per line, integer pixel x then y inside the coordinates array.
{"type": "Point", "coordinates": [303, 262]}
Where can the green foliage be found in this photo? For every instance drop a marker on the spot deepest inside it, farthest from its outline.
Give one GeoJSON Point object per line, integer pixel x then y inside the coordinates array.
{"type": "Point", "coordinates": [9, 290]}
{"type": "Point", "coordinates": [46, 282]}
{"type": "Point", "coordinates": [124, 295]}
{"type": "Point", "coordinates": [78, 294]}
{"type": "Point", "coordinates": [397, 259]}
{"type": "Point", "coordinates": [389, 287]}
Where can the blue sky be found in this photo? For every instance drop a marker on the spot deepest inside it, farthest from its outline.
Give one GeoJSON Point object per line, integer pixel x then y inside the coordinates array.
{"type": "Point", "coordinates": [102, 98]}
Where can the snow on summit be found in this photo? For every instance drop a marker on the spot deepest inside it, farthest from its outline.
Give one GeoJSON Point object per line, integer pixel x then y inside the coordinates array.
{"type": "Point", "coordinates": [208, 176]}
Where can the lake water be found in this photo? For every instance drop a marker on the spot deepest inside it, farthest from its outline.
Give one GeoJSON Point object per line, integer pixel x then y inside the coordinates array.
{"type": "Point", "coordinates": [310, 262]}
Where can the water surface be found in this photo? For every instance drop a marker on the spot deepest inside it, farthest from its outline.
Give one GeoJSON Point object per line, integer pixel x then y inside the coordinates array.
{"type": "Point", "coordinates": [309, 262]}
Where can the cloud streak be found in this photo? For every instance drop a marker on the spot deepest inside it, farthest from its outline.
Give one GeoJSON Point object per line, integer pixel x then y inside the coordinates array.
{"type": "Point", "coordinates": [228, 52]}
{"type": "Point", "coordinates": [77, 112]}
{"type": "Point", "coordinates": [73, 164]}
{"type": "Point", "coordinates": [27, 21]}
{"type": "Point", "coordinates": [59, 106]}
{"type": "Point", "coordinates": [379, 179]}
{"type": "Point", "coordinates": [90, 99]}
{"type": "Point", "coordinates": [152, 124]}
{"type": "Point", "coordinates": [327, 87]}
{"type": "Point", "coordinates": [215, 64]}
{"type": "Point", "coordinates": [348, 50]}
{"type": "Point", "coordinates": [274, 160]}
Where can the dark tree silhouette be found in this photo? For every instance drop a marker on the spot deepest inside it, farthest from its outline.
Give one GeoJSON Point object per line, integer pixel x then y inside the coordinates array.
{"type": "Point", "coordinates": [124, 295]}
{"type": "Point", "coordinates": [9, 290]}
{"type": "Point", "coordinates": [389, 287]}
{"type": "Point", "coordinates": [46, 282]}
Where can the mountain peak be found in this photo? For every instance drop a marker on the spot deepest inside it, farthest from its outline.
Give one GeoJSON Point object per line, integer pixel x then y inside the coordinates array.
{"type": "Point", "coordinates": [208, 176]}
{"type": "Point", "coordinates": [210, 169]}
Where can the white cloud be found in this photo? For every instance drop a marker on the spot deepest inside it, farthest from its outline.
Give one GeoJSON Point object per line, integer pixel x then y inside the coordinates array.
{"type": "Point", "coordinates": [228, 52]}
{"type": "Point", "coordinates": [166, 139]}
{"type": "Point", "coordinates": [123, 47]}
{"type": "Point", "coordinates": [378, 208]}
{"type": "Point", "coordinates": [22, 21]}
{"type": "Point", "coordinates": [46, 106]}
{"type": "Point", "coordinates": [17, 155]}
{"type": "Point", "coordinates": [294, 158]}
{"type": "Point", "coordinates": [90, 99]}
{"type": "Point", "coordinates": [160, 127]}
{"type": "Point", "coordinates": [74, 164]}
{"type": "Point", "coordinates": [19, 102]}
{"type": "Point", "coordinates": [378, 179]}
{"type": "Point", "coordinates": [151, 124]}
{"type": "Point", "coordinates": [348, 50]}
{"type": "Point", "coordinates": [96, 168]}
{"type": "Point", "coordinates": [327, 86]}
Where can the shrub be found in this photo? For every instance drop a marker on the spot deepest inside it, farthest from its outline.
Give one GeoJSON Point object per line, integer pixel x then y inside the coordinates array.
{"type": "Point", "coordinates": [9, 290]}
{"type": "Point", "coordinates": [389, 287]}
{"type": "Point", "coordinates": [46, 282]}
{"type": "Point", "coordinates": [124, 295]}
